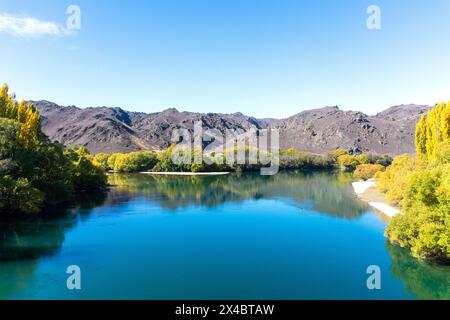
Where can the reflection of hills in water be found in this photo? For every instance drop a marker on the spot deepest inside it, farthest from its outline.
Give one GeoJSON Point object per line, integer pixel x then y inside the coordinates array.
{"type": "Point", "coordinates": [329, 192]}
{"type": "Point", "coordinates": [424, 281]}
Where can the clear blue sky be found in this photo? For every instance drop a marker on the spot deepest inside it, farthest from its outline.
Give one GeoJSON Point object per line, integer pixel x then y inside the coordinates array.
{"type": "Point", "coordinates": [260, 57]}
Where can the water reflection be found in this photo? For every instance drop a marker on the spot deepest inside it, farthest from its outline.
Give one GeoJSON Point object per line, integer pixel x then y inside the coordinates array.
{"type": "Point", "coordinates": [424, 281]}
{"type": "Point", "coordinates": [325, 192]}
{"type": "Point", "coordinates": [34, 237]}
{"type": "Point", "coordinates": [24, 242]}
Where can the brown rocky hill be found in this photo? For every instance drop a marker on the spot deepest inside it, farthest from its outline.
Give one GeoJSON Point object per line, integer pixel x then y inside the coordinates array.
{"type": "Point", "coordinates": [110, 130]}
{"type": "Point", "coordinates": [323, 130]}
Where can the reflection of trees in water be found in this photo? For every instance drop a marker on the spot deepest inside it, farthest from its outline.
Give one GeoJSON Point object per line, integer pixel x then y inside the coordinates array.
{"type": "Point", "coordinates": [32, 237]}
{"type": "Point", "coordinates": [423, 280]}
{"type": "Point", "coordinates": [24, 241]}
{"type": "Point", "coordinates": [330, 192]}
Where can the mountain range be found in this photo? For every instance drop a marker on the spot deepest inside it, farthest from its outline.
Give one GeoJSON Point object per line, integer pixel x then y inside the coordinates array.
{"type": "Point", "coordinates": [109, 130]}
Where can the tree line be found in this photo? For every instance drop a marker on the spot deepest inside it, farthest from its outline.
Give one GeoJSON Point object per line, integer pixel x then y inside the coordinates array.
{"type": "Point", "coordinates": [35, 172]}
{"type": "Point", "coordinates": [140, 161]}
{"type": "Point", "coordinates": [421, 186]}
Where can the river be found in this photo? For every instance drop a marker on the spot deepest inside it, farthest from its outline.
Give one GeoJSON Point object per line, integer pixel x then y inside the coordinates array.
{"type": "Point", "coordinates": [290, 236]}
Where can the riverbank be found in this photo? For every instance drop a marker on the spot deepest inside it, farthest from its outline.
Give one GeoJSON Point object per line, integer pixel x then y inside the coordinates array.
{"type": "Point", "coordinates": [187, 173]}
{"type": "Point", "coordinates": [366, 191]}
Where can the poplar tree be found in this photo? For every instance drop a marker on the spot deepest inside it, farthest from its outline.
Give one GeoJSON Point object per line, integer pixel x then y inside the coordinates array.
{"type": "Point", "coordinates": [26, 114]}
{"type": "Point", "coordinates": [432, 130]}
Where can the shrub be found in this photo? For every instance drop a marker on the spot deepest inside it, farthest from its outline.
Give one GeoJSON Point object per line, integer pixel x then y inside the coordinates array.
{"type": "Point", "coordinates": [165, 163]}
{"type": "Point", "coordinates": [112, 160]}
{"type": "Point", "coordinates": [368, 171]}
{"type": "Point", "coordinates": [443, 153]}
{"type": "Point", "coordinates": [85, 174]}
{"type": "Point", "coordinates": [294, 159]}
{"type": "Point", "coordinates": [395, 180]}
{"type": "Point", "coordinates": [335, 154]}
{"type": "Point", "coordinates": [362, 158]}
{"type": "Point", "coordinates": [424, 225]}
{"type": "Point", "coordinates": [48, 169]}
{"type": "Point", "coordinates": [422, 187]}
{"type": "Point", "coordinates": [101, 160]}
{"type": "Point", "coordinates": [384, 160]}
{"type": "Point", "coordinates": [19, 196]}
{"type": "Point", "coordinates": [348, 162]}
{"type": "Point", "coordinates": [133, 162]}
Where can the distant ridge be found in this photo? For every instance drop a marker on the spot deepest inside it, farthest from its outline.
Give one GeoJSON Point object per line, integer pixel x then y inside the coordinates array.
{"type": "Point", "coordinates": [104, 129]}
{"type": "Point", "coordinates": [329, 128]}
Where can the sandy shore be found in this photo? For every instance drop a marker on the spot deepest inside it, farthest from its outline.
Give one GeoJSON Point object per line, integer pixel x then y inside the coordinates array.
{"type": "Point", "coordinates": [366, 191]}
{"type": "Point", "coordinates": [187, 173]}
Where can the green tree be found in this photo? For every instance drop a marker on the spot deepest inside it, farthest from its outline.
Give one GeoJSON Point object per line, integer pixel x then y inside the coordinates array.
{"type": "Point", "coordinates": [348, 162]}
{"type": "Point", "coordinates": [19, 196]}
{"type": "Point", "coordinates": [432, 130]}
{"type": "Point", "coordinates": [112, 160]}
{"type": "Point", "coordinates": [48, 169]}
{"type": "Point", "coordinates": [424, 225]}
{"type": "Point", "coordinates": [165, 163]}
{"type": "Point", "coordinates": [29, 130]}
{"type": "Point", "coordinates": [9, 138]}
{"type": "Point", "coordinates": [101, 160]}
{"type": "Point", "coordinates": [85, 175]}
{"type": "Point", "coordinates": [395, 180]}
{"type": "Point", "coordinates": [35, 172]}
{"type": "Point", "coordinates": [422, 187]}
{"type": "Point", "coordinates": [134, 162]}
{"type": "Point", "coordinates": [443, 153]}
